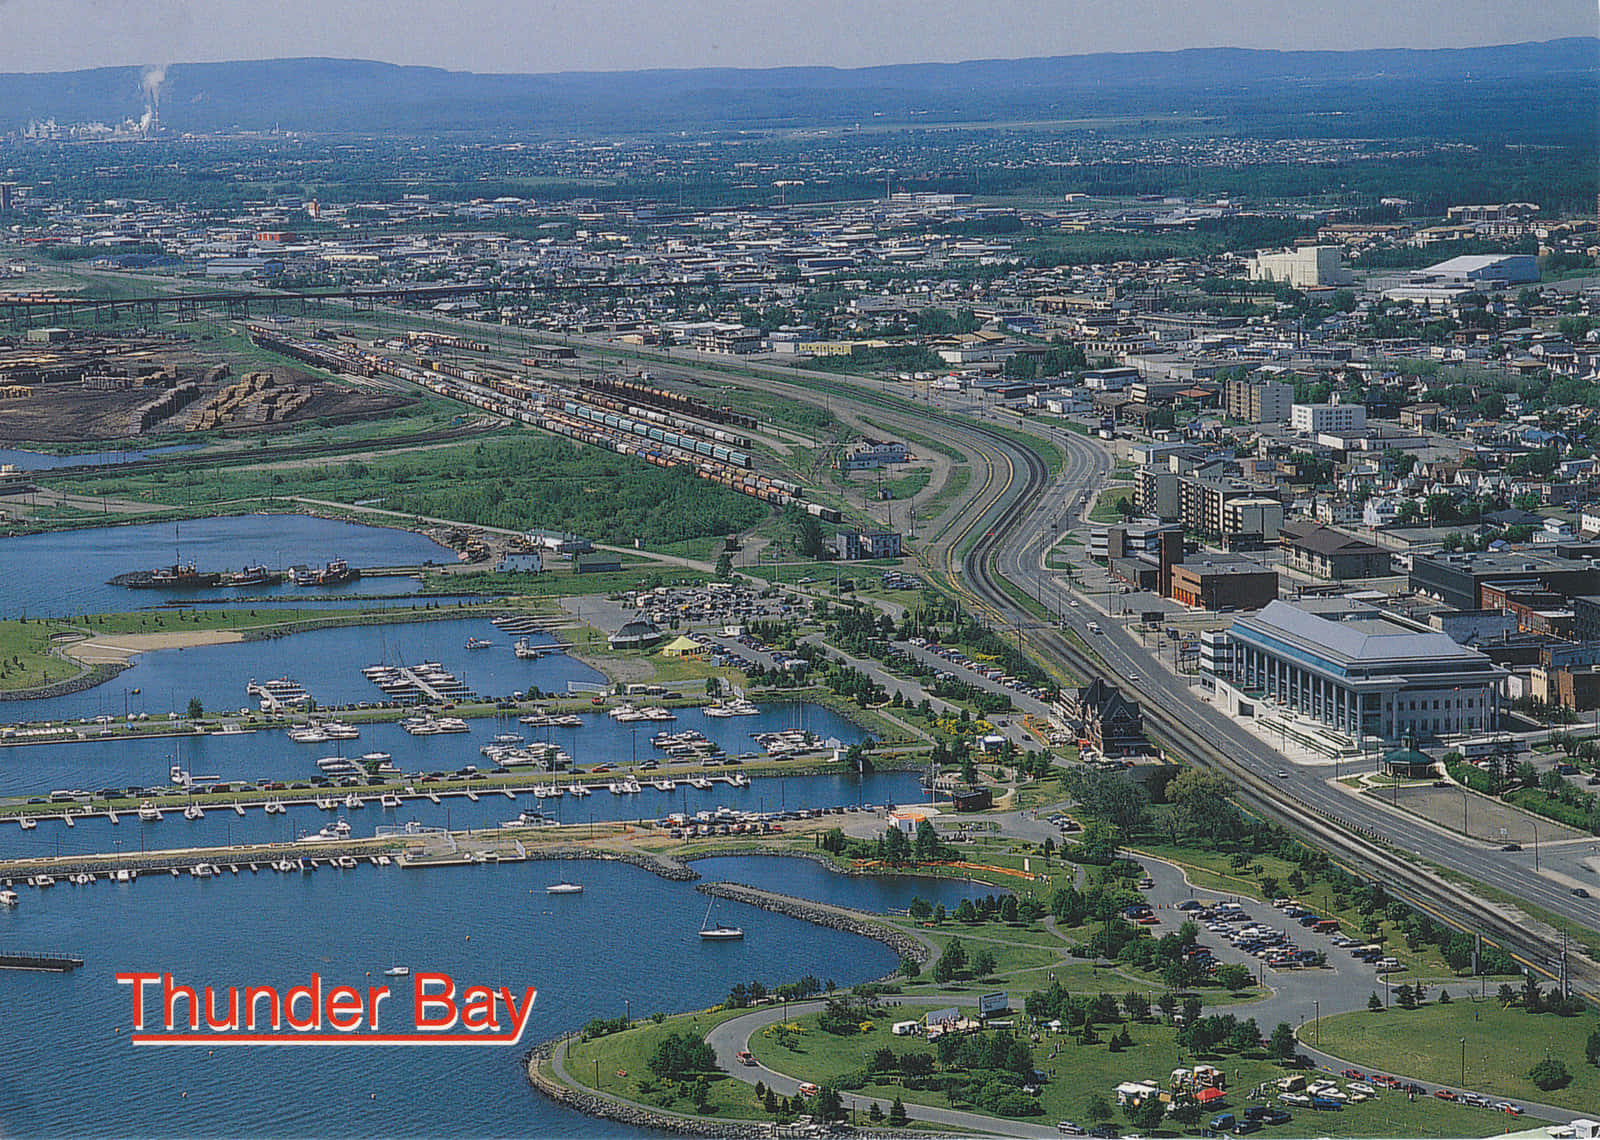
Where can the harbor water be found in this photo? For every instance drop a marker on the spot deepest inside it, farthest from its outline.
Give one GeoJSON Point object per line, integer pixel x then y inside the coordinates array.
{"type": "Point", "coordinates": [629, 942]}
{"type": "Point", "coordinates": [81, 563]}
{"type": "Point", "coordinates": [327, 662]}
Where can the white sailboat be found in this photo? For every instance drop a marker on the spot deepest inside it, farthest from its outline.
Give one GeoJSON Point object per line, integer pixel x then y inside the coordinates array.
{"type": "Point", "coordinates": [719, 932]}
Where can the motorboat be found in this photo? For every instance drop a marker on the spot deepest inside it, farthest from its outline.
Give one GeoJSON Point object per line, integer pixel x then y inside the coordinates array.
{"type": "Point", "coordinates": [389, 800]}
{"type": "Point", "coordinates": [327, 803]}
{"type": "Point", "coordinates": [397, 972]}
{"type": "Point", "coordinates": [28, 823]}
{"type": "Point", "coordinates": [528, 819]}
{"type": "Point", "coordinates": [346, 862]}
{"type": "Point", "coordinates": [354, 802]}
{"type": "Point", "coordinates": [81, 879]}
{"type": "Point", "coordinates": [564, 888]}
{"type": "Point", "coordinates": [149, 813]}
{"type": "Point", "coordinates": [275, 807]}
{"type": "Point", "coordinates": [203, 870]}
{"type": "Point", "coordinates": [193, 811]}
{"type": "Point", "coordinates": [9, 897]}
{"type": "Point", "coordinates": [478, 643]}
{"type": "Point", "coordinates": [44, 880]}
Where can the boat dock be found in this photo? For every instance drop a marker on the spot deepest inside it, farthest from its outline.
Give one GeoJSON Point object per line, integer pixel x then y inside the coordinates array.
{"type": "Point", "coordinates": [71, 814]}
{"type": "Point", "coordinates": [44, 963]}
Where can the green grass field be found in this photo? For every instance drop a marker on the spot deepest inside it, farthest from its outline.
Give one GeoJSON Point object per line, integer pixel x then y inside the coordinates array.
{"type": "Point", "coordinates": [1080, 1073]}
{"type": "Point", "coordinates": [1501, 1046]}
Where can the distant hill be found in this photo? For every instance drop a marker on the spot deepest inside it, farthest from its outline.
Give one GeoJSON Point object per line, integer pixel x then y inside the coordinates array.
{"type": "Point", "coordinates": [1509, 90]}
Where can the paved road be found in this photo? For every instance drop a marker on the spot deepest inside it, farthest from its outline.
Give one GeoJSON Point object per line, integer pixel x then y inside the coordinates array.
{"type": "Point", "coordinates": [1021, 560]}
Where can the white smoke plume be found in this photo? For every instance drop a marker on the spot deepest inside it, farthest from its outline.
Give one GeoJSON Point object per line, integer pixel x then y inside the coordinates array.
{"type": "Point", "coordinates": [150, 82]}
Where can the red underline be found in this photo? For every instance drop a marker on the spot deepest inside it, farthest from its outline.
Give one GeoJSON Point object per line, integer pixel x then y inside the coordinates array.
{"type": "Point", "coordinates": [367, 1040]}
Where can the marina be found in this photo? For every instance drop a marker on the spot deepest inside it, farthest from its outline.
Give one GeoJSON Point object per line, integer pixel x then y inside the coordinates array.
{"type": "Point", "coordinates": [256, 927]}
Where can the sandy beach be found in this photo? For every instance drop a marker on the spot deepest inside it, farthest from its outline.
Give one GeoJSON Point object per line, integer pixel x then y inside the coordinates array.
{"type": "Point", "coordinates": [117, 649]}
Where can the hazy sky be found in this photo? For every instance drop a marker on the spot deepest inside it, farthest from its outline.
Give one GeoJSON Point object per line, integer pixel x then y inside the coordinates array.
{"type": "Point", "coordinates": [585, 35]}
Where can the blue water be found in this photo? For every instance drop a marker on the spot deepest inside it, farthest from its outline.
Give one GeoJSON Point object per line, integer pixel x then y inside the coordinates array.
{"type": "Point", "coordinates": [328, 662]}
{"type": "Point", "coordinates": [80, 563]}
{"type": "Point", "coordinates": [807, 879]}
{"type": "Point", "coordinates": [41, 461]}
{"type": "Point", "coordinates": [627, 943]}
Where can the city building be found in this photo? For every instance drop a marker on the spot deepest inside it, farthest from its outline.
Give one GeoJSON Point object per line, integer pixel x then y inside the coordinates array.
{"type": "Point", "coordinates": [1378, 676]}
{"type": "Point", "coordinates": [1258, 401]}
{"type": "Point", "coordinates": [1314, 419]}
{"type": "Point", "coordinates": [1223, 582]}
{"type": "Point", "coordinates": [1324, 552]}
{"type": "Point", "coordinates": [1458, 579]}
{"type": "Point", "coordinates": [1107, 721]}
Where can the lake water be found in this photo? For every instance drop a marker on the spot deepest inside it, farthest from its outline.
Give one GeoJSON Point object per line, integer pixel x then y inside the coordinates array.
{"type": "Point", "coordinates": [79, 564]}
{"type": "Point", "coordinates": [628, 942]}
{"type": "Point", "coordinates": [42, 461]}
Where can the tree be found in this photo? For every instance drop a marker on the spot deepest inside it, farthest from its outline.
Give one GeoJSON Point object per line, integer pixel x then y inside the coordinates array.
{"type": "Point", "coordinates": [875, 1113]}
{"type": "Point", "coordinates": [909, 968]}
{"type": "Point", "coordinates": [927, 842]}
{"type": "Point", "coordinates": [829, 1104]}
{"type": "Point", "coordinates": [1405, 997]}
{"type": "Point", "coordinates": [1233, 975]}
{"type": "Point", "coordinates": [1204, 794]}
{"type": "Point", "coordinates": [966, 912]}
{"type": "Point", "coordinates": [680, 1055]}
{"type": "Point", "coordinates": [1591, 1048]}
{"type": "Point", "coordinates": [196, 709]}
{"type": "Point", "coordinates": [1550, 1074]}
{"type": "Point", "coordinates": [983, 964]}
{"type": "Point", "coordinates": [1167, 1003]}
{"type": "Point", "coordinates": [896, 847]}
{"type": "Point", "coordinates": [919, 909]}
{"type": "Point", "coordinates": [951, 962]}
{"type": "Point", "coordinates": [1008, 909]}
{"type": "Point", "coordinates": [897, 1114]}
{"type": "Point", "coordinates": [1375, 1003]}
{"type": "Point", "coordinates": [1282, 1043]}
{"type": "Point", "coordinates": [1098, 1108]}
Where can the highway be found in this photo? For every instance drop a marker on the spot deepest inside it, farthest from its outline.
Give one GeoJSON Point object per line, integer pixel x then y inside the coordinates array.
{"type": "Point", "coordinates": [1353, 827]}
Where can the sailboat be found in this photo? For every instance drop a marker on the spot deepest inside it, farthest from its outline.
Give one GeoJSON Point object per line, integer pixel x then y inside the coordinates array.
{"type": "Point", "coordinates": [718, 933]}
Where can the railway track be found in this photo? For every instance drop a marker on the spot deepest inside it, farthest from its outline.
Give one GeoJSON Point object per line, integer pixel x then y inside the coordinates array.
{"type": "Point", "coordinates": [1359, 851]}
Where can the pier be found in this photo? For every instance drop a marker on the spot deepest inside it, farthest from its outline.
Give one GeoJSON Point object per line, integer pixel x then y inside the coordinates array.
{"type": "Point", "coordinates": [43, 963]}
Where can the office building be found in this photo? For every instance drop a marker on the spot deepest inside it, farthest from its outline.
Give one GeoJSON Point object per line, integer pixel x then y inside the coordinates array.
{"type": "Point", "coordinates": [1366, 676]}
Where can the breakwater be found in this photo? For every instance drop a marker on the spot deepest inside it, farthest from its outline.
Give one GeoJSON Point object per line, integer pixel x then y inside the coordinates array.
{"type": "Point", "coordinates": [663, 866]}
{"type": "Point", "coordinates": [627, 1112]}
{"type": "Point", "coordinates": [831, 917]}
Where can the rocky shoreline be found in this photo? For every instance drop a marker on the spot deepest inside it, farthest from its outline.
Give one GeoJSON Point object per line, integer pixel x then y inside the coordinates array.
{"type": "Point", "coordinates": [93, 675]}
{"type": "Point", "coordinates": [637, 1116]}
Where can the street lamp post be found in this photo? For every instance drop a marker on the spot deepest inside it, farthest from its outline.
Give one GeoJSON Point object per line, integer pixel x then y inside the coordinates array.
{"type": "Point", "coordinates": [1317, 1021]}
{"type": "Point", "coordinates": [627, 1011]}
{"type": "Point", "coordinates": [1463, 1062]}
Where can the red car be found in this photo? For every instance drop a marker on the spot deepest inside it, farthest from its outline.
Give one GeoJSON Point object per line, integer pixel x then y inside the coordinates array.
{"type": "Point", "coordinates": [1444, 1094]}
{"type": "Point", "coordinates": [1352, 1075]}
{"type": "Point", "coordinates": [1385, 1081]}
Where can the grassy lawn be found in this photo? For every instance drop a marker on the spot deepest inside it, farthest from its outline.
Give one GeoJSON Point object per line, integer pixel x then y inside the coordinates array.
{"type": "Point", "coordinates": [629, 1052]}
{"type": "Point", "coordinates": [1501, 1046]}
{"type": "Point", "coordinates": [1080, 1073]}
{"type": "Point", "coordinates": [1107, 508]}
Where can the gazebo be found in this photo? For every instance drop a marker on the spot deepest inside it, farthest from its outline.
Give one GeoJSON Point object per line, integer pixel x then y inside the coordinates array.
{"type": "Point", "coordinates": [1408, 762]}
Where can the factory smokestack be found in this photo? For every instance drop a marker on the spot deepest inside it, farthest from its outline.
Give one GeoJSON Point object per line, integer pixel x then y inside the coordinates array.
{"type": "Point", "coordinates": [150, 83]}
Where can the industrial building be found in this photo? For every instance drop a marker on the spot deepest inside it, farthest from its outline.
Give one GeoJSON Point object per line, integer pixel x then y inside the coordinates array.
{"type": "Point", "coordinates": [1366, 676]}
{"type": "Point", "coordinates": [870, 453]}
{"type": "Point", "coordinates": [851, 545]}
{"type": "Point", "coordinates": [1308, 267]}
